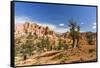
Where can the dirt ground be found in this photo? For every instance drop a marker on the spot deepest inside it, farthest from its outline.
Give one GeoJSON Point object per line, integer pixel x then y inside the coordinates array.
{"type": "Point", "coordinates": [83, 53]}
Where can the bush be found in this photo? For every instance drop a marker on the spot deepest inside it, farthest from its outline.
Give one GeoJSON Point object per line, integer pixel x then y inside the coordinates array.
{"type": "Point", "coordinates": [91, 50]}
{"type": "Point", "coordinates": [90, 38]}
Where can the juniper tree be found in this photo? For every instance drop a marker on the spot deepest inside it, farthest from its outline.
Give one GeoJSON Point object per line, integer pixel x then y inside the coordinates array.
{"type": "Point", "coordinates": [72, 26]}
{"type": "Point", "coordinates": [90, 38]}
{"type": "Point", "coordinates": [78, 34]}
{"type": "Point", "coordinates": [74, 32]}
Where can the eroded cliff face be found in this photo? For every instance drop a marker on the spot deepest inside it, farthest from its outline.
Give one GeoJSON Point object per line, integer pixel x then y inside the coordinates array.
{"type": "Point", "coordinates": [40, 31]}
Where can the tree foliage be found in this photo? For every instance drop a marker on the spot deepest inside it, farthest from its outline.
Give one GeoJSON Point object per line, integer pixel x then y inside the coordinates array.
{"type": "Point", "coordinates": [74, 32]}
{"type": "Point", "coordinates": [90, 38]}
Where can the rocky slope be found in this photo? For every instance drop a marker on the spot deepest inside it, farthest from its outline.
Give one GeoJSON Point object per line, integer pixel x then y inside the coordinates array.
{"type": "Point", "coordinates": [39, 43]}
{"type": "Point", "coordinates": [40, 31]}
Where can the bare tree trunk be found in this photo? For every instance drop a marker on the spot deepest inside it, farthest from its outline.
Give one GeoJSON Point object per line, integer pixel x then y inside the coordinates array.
{"type": "Point", "coordinates": [73, 42]}
{"type": "Point", "coordinates": [77, 42]}
{"type": "Point", "coordinates": [24, 57]}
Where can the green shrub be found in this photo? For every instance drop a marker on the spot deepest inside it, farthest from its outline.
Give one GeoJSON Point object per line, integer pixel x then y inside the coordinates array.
{"type": "Point", "coordinates": [90, 38]}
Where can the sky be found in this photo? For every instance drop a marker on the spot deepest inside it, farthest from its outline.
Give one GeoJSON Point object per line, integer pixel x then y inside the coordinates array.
{"type": "Point", "coordinates": [56, 17]}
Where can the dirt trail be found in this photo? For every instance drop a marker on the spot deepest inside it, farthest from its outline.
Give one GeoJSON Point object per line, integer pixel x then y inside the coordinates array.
{"type": "Point", "coordinates": [59, 57]}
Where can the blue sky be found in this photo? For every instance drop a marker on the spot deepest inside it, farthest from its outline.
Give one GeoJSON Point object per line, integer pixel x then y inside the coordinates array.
{"type": "Point", "coordinates": [56, 16]}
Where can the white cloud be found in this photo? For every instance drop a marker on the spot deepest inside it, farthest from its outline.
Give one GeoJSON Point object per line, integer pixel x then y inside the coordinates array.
{"type": "Point", "coordinates": [61, 24]}
{"type": "Point", "coordinates": [94, 25]}
{"type": "Point", "coordinates": [53, 27]}
{"type": "Point", "coordinates": [23, 19]}
{"type": "Point", "coordinates": [61, 30]}
{"type": "Point", "coordinates": [82, 31]}
{"type": "Point", "coordinates": [82, 23]}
